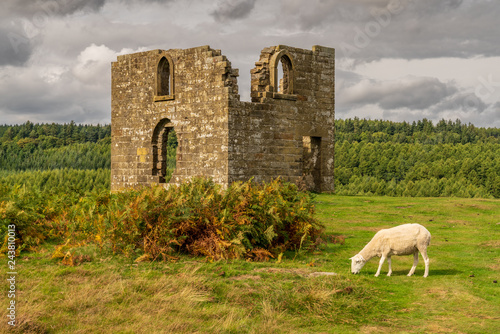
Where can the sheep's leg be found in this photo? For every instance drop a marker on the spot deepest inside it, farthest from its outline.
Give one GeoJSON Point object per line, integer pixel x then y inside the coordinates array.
{"type": "Point", "coordinates": [426, 261]}
{"type": "Point", "coordinates": [390, 266]}
{"type": "Point", "coordinates": [415, 262]}
{"type": "Point", "coordinates": [382, 259]}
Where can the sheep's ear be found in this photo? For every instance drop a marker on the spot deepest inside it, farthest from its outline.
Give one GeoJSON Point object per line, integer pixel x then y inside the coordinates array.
{"type": "Point", "coordinates": [351, 258]}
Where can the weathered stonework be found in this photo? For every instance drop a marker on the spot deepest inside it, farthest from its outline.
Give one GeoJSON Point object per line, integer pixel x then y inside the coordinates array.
{"type": "Point", "coordinates": [286, 131]}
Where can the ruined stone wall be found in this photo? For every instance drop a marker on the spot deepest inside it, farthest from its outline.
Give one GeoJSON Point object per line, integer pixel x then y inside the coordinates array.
{"type": "Point", "coordinates": [196, 109]}
{"type": "Point", "coordinates": [286, 133]}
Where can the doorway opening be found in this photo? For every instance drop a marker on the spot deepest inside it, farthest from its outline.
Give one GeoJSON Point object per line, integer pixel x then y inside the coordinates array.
{"type": "Point", "coordinates": [165, 145]}
{"type": "Point", "coordinates": [311, 171]}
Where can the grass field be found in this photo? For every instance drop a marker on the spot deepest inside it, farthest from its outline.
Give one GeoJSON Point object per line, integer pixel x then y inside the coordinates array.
{"type": "Point", "coordinates": [112, 294]}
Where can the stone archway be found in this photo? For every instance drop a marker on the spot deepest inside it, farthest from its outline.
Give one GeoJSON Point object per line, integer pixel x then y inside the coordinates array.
{"type": "Point", "coordinates": [164, 143]}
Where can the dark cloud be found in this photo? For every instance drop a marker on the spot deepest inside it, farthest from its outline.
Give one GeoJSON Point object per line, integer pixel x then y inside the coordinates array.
{"type": "Point", "coordinates": [15, 47]}
{"type": "Point", "coordinates": [411, 98]}
{"type": "Point", "coordinates": [410, 92]}
{"type": "Point", "coordinates": [22, 22]}
{"type": "Point", "coordinates": [369, 30]}
{"type": "Point", "coordinates": [233, 9]}
{"type": "Point", "coordinates": [35, 10]}
{"type": "Point", "coordinates": [461, 101]}
{"type": "Point", "coordinates": [320, 13]}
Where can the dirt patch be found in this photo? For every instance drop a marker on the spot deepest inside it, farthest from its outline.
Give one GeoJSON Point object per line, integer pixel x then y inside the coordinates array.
{"type": "Point", "coordinates": [494, 267]}
{"type": "Point", "coordinates": [438, 293]}
{"type": "Point", "coordinates": [436, 328]}
{"type": "Point", "coordinates": [245, 277]}
{"type": "Point", "coordinates": [481, 207]}
{"type": "Point", "coordinates": [491, 243]}
{"type": "Point", "coordinates": [373, 329]}
{"type": "Point", "coordinates": [457, 222]}
{"type": "Point", "coordinates": [322, 273]}
{"type": "Point", "coordinates": [294, 271]}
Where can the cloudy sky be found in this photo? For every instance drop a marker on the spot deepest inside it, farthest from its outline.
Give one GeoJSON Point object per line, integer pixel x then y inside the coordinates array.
{"type": "Point", "coordinates": [395, 59]}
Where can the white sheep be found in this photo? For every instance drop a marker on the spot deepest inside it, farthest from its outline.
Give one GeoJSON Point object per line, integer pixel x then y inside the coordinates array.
{"type": "Point", "coordinates": [400, 240]}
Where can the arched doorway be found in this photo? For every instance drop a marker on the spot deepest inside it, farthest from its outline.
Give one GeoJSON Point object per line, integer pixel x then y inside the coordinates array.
{"type": "Point", "coordinates": [164, 144]}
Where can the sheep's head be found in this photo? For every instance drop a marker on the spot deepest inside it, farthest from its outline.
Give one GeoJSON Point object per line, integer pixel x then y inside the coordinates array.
{"type": "Point", "coordinates": [357, 262]}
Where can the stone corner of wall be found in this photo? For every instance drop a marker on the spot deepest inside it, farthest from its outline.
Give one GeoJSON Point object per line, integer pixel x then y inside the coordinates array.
{"type": "Point", "coordinates": [324, 49]}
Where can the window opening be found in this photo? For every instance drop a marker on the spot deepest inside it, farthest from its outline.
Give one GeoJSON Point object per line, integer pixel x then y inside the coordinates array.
{"type": "Point", "coordinates": [280, 77]}
{"type": "Point", "coordinates": [163, 83]}
{"type": "Point", "coordinates": [282, 74]}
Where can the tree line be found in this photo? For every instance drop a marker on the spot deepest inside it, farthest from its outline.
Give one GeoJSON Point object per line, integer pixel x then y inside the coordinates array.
{"type": "Point", "coordinates": [52, 135]}
{"type": "Point", "coordinates": [422, 132]}
{"type": "Point", "coordinates": [371, 156]}
{"type": "Point", "coordinates": [88, 155]}
{"type": "Point", "coordinates": [418, 159]}
{"type": "Point", "coordinates": [54, 146]}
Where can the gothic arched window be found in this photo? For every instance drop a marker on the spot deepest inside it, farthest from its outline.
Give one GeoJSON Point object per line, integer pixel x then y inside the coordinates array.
{"type": "Point", "coordinates": [164, 89]}
{"type": "Point", "coordinates": [282, 73]}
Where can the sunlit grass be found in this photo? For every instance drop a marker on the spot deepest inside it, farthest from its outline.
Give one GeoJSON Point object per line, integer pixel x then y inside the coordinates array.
{"type": "Point", "coordinates": [112, 294]}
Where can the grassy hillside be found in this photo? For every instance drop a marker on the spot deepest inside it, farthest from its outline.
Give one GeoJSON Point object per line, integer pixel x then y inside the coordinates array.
{"type": "Point", "coordinates": [54, 184]}
{"type": "Point", "coordinates": [107, 293]}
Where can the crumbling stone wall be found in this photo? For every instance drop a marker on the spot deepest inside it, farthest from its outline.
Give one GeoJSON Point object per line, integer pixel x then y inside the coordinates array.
{"type": "Point", "coordinates": [286, 131]}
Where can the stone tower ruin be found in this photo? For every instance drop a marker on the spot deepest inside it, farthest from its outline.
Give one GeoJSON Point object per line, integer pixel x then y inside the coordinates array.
{"type": "Point", "coordinates": [286, 131]}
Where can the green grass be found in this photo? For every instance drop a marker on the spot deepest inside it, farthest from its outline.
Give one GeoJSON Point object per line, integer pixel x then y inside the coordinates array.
{"type": "Point", "coordinates": [112, 294]}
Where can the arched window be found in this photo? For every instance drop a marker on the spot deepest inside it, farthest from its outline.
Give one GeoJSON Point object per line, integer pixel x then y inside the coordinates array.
{"type": "Point", "coordinates": [164, 79]}
{"type": "Point", "coordinates": [282, 73]}
{"type": "Point", "coordinates": [164, 144]}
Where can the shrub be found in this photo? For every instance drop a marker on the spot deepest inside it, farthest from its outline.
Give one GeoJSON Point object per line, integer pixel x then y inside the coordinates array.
{"type": "Point", "coordinates": [247, 220]}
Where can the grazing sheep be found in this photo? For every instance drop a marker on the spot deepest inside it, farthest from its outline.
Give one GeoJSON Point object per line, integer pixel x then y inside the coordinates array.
{"type": "Point", "coordinates": [400, 240]}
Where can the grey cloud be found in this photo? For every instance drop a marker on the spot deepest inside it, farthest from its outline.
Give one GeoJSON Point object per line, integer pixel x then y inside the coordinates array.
{"type": "Point", "coordinates": [30, 9]}
{"type": "Point", "coordinates": [233, 9]}
{"type": "Point", "coordinates": [312, 13]}
{"type": "Point", "coordinates": [25, 95]}
{"type": "Point", "coordinates": [409, 92]}
{"type": "Point", "coordinates": [411, 98]}
{"type": "Point", "coordinates": [22, 22]}
{"type": "Point", "coordinates": [461, 101]}
{"type": "Point", "coordinates": [371, 30]}
{"type": "Point", "coordinates": [319, 13]}
{"type": "Point", "coordinates": [15, 47]}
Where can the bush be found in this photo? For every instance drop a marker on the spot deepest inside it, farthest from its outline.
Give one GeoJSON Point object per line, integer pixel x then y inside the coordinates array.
{"type": "Point", "coordinates": [247, 220]}
{"type": "Point", "coordinates": [27, 209]}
